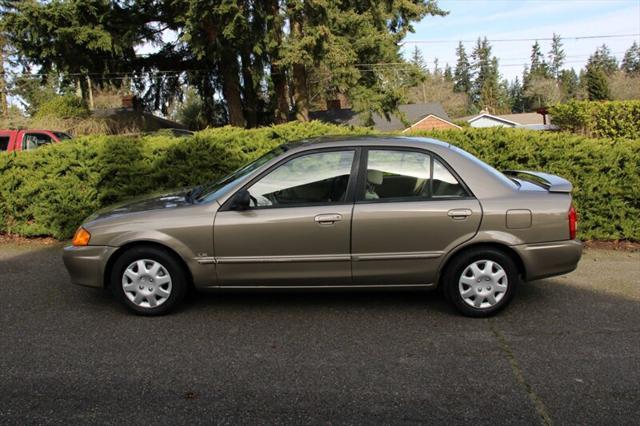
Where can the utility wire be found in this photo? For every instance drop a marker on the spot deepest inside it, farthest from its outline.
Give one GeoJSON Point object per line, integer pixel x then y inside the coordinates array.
{"type": "Point", "coordinates": [508, 40]}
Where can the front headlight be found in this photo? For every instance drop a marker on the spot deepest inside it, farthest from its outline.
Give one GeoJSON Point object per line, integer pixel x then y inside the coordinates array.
{"type": "Point", "coordinates": [81, 237]}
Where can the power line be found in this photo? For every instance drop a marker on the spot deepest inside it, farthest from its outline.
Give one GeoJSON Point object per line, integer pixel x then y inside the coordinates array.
{"type": "Point", "coordinates": [508, 40]}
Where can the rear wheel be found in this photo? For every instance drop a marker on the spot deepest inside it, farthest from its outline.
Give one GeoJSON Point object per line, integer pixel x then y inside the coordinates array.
{"type": "Point", "coordinates": [148, 280]}
{"type": "Point", "coordinates": [481, 281]}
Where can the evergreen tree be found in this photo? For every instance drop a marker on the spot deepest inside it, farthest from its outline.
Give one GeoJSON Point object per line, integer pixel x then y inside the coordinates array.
{"type": "Point", "coordinates": [485, 90]}
{"type": "Point", "coordinates": [538, 67]}
{"type": "Point", "coordinates": [603, 59]}
{"type": "Point", "coordinates": [462, 73]}
{"type": "Point", "coordinates": [569, 84]}
{"type": "Point", "coordinates": [516, 96]}
{"type": "Point", "coordinates": [631, 61]}
{"type": "Point", "coordinates": [556, 56]}
{"type": "Point", "coordinates": [448, 73]}
{"type": "Point", "coordinates": [597, 84]}
{"type": "Point", "coordinates": [417, 59]}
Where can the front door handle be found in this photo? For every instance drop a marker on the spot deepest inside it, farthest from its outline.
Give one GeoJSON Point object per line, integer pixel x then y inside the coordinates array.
{"type": "Point", "coordinates": [459, 214]}
{"type": "Point", "coordinates": [328, 219]}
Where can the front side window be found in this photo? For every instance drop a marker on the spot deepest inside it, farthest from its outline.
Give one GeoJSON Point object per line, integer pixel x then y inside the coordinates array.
{"type": "Point", "coordinates": [35, 140]}
{"type": "Point", "coordinates": [406, 175]}
{"type": "Point", "coordinates": [316, 178]}
{"type": "Point", "coordinates": [4, 143]}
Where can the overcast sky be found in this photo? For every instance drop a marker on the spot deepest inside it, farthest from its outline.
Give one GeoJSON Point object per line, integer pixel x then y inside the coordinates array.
{"type": "Point", "coordinates": [509, 19]}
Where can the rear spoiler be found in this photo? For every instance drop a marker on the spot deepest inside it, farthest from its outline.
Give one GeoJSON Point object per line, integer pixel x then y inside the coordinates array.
{"type": "Point", "coordinates": [551, 183]}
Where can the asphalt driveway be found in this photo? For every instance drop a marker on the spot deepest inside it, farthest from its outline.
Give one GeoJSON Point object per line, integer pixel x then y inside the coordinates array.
{"type": "Point", "coordinates": [566, 351]}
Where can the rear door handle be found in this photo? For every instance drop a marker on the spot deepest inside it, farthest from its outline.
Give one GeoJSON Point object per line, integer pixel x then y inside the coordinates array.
{"type": "Point", "coordinates": [459, 214]}
{"type": "Point", "coordinates": [328, 219]}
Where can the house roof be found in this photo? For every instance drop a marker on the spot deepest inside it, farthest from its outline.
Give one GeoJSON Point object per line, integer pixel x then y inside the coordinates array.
{"type": "Point", "coordinates": [523, 119]}
{"type": "Point", "coordinates": [413, 113]}
{"type": "Point", "coordinates": [123, 118]}
{"type": "Point", "coordinates": [428, 116]}
{"type": "Point", "coordinates": [492, 117]}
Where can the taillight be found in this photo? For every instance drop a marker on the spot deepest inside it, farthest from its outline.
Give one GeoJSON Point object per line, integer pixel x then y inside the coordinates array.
{"type": "Point", "coordinates": [573, 222]}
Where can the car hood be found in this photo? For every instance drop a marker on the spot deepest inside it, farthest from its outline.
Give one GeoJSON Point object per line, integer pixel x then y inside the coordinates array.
{"type": "Point", "coordinates": [156, 201]}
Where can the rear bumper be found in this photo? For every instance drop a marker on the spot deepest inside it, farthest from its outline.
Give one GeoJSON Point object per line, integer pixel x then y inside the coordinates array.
{"type": "Point", "coordinates": [543, 260]}
{"type": "Point", "coordinates": [86, 264]}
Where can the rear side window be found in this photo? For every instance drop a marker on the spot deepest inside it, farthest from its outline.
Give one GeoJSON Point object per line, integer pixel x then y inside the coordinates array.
{"type": "Point", "coordinates": [408, 175]}
{"type": "Point", "coordinates": [62, 136]}
{"type": "Point", "coordinates": [318, 178]}
{"type": "Point", "coordinates": [4, 143]}
{"type": "Point", "coordinates": [35, 140]}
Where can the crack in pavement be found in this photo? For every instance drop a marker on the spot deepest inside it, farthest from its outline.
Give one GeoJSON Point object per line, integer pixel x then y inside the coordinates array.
{"type": "Point", "coordinates": [540, 407]}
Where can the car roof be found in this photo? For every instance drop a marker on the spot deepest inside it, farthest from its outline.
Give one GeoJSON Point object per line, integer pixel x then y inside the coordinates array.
{"type": "Point", "coordinates": [346, 141]}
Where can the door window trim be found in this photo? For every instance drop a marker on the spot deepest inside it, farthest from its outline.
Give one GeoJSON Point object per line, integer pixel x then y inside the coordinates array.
{"type": "Point", "coordinates": [364, 160]}
{"type": "Point", "coordinates": [351, 184]}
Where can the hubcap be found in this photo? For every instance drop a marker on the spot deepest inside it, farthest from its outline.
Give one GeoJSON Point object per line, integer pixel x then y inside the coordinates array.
{"type": "Point", "coordinates": [146, 283]}
{"type": "Point", "coordinates": [483, 284]}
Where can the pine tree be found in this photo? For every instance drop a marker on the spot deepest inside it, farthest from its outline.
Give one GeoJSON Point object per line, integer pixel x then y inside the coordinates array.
{"type": "Point", "coordinates": [448, 73]}
{"type": "Point", "coordinates": [462, 73]}
{"type": "Point", "coordinates": [556, 56]}
{"type": "Point", "coordinates": [603, 60]}
{"type": "Point", "coordinates": [631, 61]}
{"type": "Point", "coordinates": [516, 96]}
{"type": "Point", "coordinates": [569, 84]}
{"type": "Point", "coordinates": [538, 67]}
{"type": "Point", "coordinates": [417, 59]}
{"type": "Point", "coordinates": [597, 84]}
{"type": "Point", "coordinates": [485, 91]}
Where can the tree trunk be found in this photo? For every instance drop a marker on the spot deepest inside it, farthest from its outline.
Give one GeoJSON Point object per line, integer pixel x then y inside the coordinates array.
{"type": "Point", "coordinates": [4, 107]}
{"type": "Point", "coordinates": [249, 90]}
{"type": "Point", "coordinates": [278, 77]}
{"type": "Point", "coordinates": [280, 89]}
{"type": "Point", "coordinates": [300, 92]}
{"type": "Point", "coordinates": [231, 87]}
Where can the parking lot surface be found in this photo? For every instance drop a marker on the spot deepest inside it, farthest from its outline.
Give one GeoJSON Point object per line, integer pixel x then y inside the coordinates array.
{"type": "Point", "coordinates": [567, 351]}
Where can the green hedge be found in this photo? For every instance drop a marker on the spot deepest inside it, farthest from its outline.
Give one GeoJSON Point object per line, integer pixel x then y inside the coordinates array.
{"type": "Point", "coordinates": [51, 190]}
{"type": "Point", "coordinates": [615, 119]}
{"type": "Point", "coordinates": [605, 173]}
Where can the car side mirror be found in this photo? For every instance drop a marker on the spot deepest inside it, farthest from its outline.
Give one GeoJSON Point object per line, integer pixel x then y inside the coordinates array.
{"type": "Point", "coordinates": [242, 200]}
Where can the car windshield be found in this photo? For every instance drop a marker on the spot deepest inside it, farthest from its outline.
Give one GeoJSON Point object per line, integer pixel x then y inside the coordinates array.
{"type": "Point", "coordinates": [213, 190]}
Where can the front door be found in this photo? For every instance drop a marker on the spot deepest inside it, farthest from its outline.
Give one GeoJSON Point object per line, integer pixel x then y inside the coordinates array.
{"type": "Point", "coordinates": [410, 210]}
{"type": "Point", "coordinates": [298, 229]}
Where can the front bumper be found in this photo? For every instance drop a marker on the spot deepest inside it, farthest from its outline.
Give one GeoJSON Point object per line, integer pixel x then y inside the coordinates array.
{"type": "Point", "coordinates": [543, 260]}
{"type": "Point", "coordinates": [86, 264]}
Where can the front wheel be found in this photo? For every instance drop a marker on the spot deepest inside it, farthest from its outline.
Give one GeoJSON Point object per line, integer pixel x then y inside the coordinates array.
{"type": "Point", "coordinates": [480, 282]}
{"type": "Point", "coordinates": [148, 280]}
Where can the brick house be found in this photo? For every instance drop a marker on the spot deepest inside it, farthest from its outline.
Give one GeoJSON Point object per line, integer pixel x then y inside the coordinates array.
{"type": "Point", "coordinates": [425, 116]}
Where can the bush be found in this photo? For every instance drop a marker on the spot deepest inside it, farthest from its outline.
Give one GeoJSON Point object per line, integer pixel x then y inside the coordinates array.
{"type": "Point", "coordinates": [65, 106]}
{"type": "Point", "coordinates": [49, 191]}
{"type": "Point", "coordinates": [605, 173]}
{"type": "Point", "coordinates": [616, 119]}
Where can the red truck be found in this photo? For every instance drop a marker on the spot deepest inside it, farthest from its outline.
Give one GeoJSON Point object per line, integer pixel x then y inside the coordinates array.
{"type": "Point", "coordinates": [24, 140]}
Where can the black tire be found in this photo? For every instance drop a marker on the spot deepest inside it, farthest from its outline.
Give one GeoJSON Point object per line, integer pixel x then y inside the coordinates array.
{"type": "Point", "coordinates": [177, 274]}
{"type": "Point", "coordinates": [459, 264]}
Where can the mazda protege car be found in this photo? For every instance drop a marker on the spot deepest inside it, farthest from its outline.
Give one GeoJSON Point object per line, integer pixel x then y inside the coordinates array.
{"type": "Point", "coordinates": [356, 212]}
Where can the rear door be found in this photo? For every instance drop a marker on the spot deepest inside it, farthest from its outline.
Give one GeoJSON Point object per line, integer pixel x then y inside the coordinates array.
{"type": "Point", "coordinates": [298, 229]}
{"type": "Point", "coordinates": [410, 210]}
